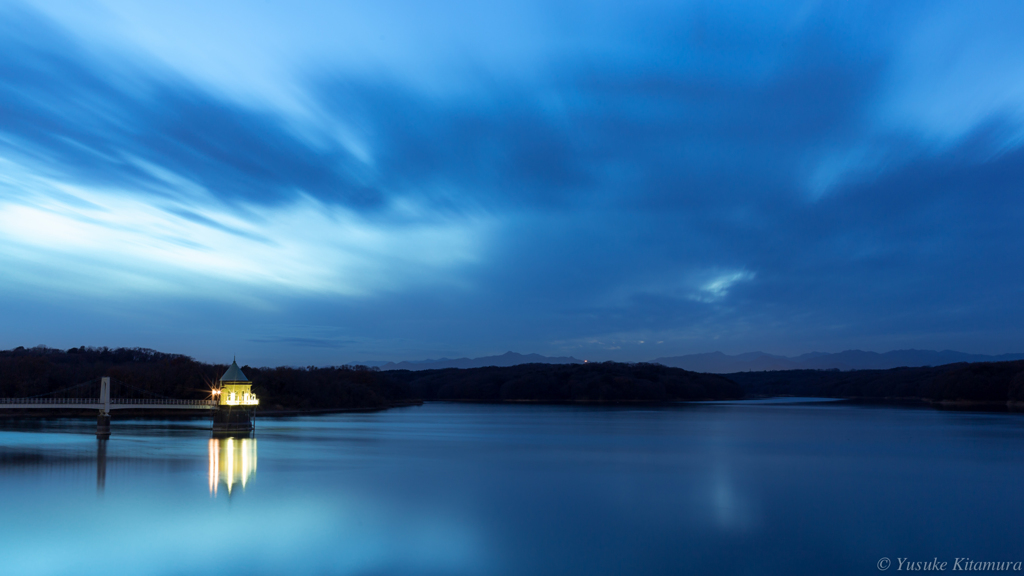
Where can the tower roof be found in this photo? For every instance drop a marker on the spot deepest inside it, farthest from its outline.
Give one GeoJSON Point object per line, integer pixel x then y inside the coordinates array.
{"type": "Point", "coordinates": [234, 374]}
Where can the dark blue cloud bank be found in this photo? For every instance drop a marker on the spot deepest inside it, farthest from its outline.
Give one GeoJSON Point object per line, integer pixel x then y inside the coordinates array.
{"type": "Point", "coordinates": [580, 179]}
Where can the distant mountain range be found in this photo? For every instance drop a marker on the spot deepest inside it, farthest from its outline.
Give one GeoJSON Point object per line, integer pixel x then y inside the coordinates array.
{"type": "Point", "coordinates": [506, 359]}
{"type": "Point", "coordinates": [719, 363]}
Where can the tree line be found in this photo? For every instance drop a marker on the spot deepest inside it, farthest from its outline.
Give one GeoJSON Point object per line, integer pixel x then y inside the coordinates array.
{"type": "Point", "coordinates": [32, 371]}
{"type": "Point", "coordinates": [40, 370]}
{"type": "Point", "coordinates": [583, 383]}
{"type": "Point", "coordinates": [998, 382]}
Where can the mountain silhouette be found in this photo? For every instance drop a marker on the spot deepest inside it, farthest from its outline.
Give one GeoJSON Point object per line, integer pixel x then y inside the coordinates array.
{"type": "Point", "coordinates": [506, 359]}
{"type": "Point", "coordinates": [719, 363]}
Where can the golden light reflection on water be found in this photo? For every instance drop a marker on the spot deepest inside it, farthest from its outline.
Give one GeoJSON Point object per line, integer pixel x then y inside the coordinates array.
{"type": "Point", "coordinates": [232, 461]}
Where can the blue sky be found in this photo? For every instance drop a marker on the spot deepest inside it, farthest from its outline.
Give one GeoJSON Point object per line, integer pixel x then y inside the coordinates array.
{"type": "Point", "coordinates": [328, 182]}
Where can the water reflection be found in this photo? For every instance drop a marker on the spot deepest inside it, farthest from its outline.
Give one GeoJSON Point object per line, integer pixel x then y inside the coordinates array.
{"type": "Point", "coordinates": [232, 461]}
{"type": "Point", "coordinates": [101, 464]}
{"type": "Point", "coordinates": [498, 490]}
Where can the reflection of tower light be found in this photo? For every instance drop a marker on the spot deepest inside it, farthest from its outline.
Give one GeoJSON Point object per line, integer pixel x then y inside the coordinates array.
{"type": "Point", "coordinates": [231, 463]}
{"type": "Point", "coordinates": [234, 461]}
{"type": "Point", "coordinates": [214, 465]}
{"type": "Point", "coordinates": [245, 461]}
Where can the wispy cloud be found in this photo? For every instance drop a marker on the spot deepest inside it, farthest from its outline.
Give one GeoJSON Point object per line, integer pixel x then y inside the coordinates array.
{"type": "Point", "coordinates": [717, 288]}
{"type": "Point", "coordinates": [764, 174]}
{"type": "Point", "coordinates": [113, 242]}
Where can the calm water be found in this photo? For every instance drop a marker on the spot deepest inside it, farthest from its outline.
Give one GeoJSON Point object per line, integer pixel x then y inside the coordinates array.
{"type": "Point", "coordinates": [729, 488]}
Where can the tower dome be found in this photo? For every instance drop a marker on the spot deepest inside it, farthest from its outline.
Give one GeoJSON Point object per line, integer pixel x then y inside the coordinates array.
{"type": "Point", "coordinates": [234, 374]}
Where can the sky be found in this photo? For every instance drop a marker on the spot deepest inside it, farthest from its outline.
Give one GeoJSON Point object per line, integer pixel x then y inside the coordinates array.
{"type": "Point", "coordinates": [320, 183]}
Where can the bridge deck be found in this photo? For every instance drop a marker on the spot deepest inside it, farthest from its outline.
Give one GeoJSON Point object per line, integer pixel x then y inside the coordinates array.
{"type": "Point", "coordinates": [115, 404]}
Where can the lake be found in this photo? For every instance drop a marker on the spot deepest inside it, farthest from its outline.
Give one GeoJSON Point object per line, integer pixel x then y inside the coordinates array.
{"type": "Point", "coordinates": [762, 487]}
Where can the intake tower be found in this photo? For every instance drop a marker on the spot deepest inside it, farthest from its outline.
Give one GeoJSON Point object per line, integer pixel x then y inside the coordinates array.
{"type": "Point", "coordinates": [236, 403]}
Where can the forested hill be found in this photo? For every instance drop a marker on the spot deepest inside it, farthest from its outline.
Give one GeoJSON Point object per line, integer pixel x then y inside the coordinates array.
{"type": "Point", "coordinates": [33, 371]}
{"type": "Point", "coordinates": [590, 382]}
{"type": "Point", "coordinates": [963, 382]}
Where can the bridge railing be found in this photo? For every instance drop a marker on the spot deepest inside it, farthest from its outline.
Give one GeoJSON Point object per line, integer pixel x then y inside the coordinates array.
{"type": "Point", "coordinates": [49, 400]}
{"type": "Point", "coordinates": [165, 401]}
{"type": "Point", "coordinates": [129, 401]}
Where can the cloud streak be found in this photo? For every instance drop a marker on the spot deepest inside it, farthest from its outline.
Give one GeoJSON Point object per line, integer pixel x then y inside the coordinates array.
{"type": "Point", "coordinates": [117, 242]}
{"type": "Point", "coordinates": [705, 177]}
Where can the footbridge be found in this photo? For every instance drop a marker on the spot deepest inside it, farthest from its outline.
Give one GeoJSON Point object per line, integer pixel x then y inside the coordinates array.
{"type": "Point", "coordinates": [89, 396]}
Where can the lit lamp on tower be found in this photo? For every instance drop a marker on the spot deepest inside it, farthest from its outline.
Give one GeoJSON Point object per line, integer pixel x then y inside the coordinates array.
{"type": "Point", "coordinates": [236, 402]}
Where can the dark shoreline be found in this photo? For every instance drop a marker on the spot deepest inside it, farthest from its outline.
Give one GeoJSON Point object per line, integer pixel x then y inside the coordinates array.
{"type": "Point", "coordinates": [279, 413]}
{"type": "Point", "coordinates": [284, 391]}
{"type": "Point", "coordinates": [116, 415]}
{"type": "Point", "coordinates": [920, 403]}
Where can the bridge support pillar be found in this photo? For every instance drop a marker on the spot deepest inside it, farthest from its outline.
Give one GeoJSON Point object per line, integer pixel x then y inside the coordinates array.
{"type": "Point", "coordinates": [105, 394]}
{"type": "Point", "coordinates": [103, 425]}
{"type": "Point", "coordinates": [233, 419]}
{"type": "Point", "coordinates": [103, 420]}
